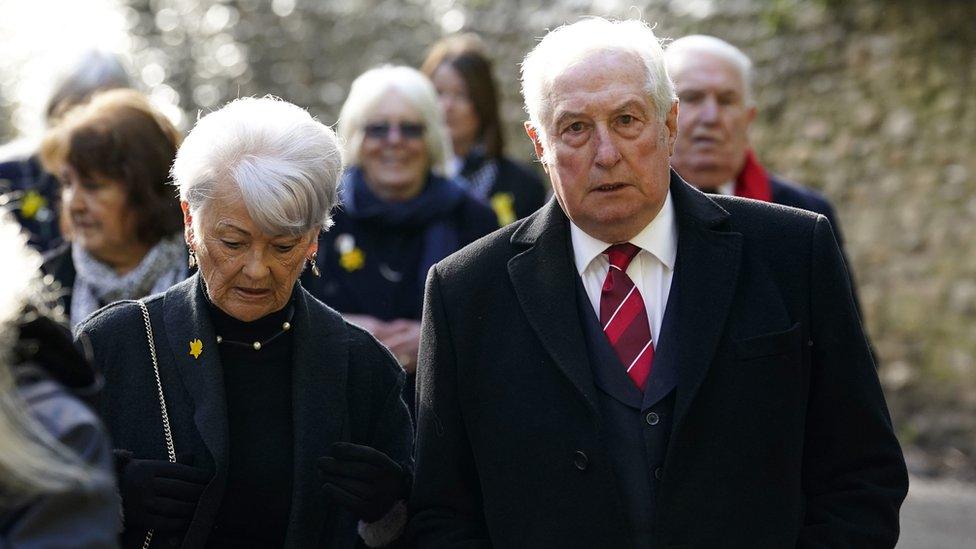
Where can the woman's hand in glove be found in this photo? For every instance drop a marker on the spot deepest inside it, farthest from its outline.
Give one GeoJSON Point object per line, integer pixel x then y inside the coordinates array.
{"type": "Point", "coordinates": [159, 494]}
{"type": "Point", "coordinates": [363, 480]}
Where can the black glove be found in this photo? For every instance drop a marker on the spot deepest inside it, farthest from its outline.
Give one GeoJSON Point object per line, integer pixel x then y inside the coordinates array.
{"type": "Point", "coordinates": [363, 480]}
{"type": "Point", "coordinates": [158, 494]}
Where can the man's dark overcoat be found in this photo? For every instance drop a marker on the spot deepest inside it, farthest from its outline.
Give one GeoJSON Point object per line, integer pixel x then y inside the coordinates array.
{"type": "Point", "coordinates": [780, 436]}
{"type": "Point", "coordinates": [346, 387]}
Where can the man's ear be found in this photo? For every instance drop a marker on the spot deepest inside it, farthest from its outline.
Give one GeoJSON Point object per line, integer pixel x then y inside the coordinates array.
{"type": "Point", "coordinates": [187, 222]}
{"type": "Point", "coordinates": [750, 114]}
{"type": "Point", "coordinates": [671, 122]}
{"type": "Point", "coordinates": [540, 151]}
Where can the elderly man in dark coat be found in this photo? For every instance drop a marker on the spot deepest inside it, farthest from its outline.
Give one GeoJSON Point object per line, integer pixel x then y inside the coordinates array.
{"type": "Point", "coordinates": [639, 364]}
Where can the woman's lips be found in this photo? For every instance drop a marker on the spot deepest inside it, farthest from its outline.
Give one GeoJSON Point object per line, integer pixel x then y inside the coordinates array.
{"type": "Point", "coordinates": [252, 293]}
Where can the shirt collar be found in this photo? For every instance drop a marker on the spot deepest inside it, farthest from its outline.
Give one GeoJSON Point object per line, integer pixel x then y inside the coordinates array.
{"type": "Point", "coordinates": [659, 238]}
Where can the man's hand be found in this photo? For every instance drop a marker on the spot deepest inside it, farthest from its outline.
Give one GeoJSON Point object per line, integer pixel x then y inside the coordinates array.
{"type": "Point", "coordinates": [363, 480]}
{"type": "Point", "coordinates": [160, 495]}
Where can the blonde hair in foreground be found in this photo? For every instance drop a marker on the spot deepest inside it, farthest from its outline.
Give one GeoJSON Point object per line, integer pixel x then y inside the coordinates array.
{"type": "Point", "coordinates": [32, 462]}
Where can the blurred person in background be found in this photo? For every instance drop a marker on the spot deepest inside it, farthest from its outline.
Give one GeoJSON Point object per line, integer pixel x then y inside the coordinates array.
{"type": "Point", "coordinates": [56, 482]}
{"type": "Point", "coordinates": [287, 425]}
{"type": "Point", "coordinates": [713, 79]}
{"type": "Point", "coordinates": [119, 216]}
{"type": "Point", "coordinates": [33, 192]}
{"type": "Point", "coordinates": [399, 214]}
{"type": "Point", "coordinates": [462, 75]}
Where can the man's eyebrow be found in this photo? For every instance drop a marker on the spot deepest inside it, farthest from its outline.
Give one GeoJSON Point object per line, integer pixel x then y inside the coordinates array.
{"type": "Point", "coordinates": [632, 104]}
{"type": "Point", "coordinates": [563, 116]}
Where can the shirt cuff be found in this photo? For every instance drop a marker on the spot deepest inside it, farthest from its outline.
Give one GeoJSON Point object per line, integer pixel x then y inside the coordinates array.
{"type": "Point", "coordinates": [387, 528]}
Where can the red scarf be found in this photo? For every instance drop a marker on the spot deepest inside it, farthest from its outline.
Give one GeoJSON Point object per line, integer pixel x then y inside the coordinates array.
{"type": "Point", "coordinates": [753, 182]}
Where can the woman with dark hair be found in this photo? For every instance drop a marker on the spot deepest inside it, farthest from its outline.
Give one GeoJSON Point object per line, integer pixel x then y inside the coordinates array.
{"type": "Point", "coordinates": [112, 156]}
{"type": "Point", "coordinates": [461, 73]}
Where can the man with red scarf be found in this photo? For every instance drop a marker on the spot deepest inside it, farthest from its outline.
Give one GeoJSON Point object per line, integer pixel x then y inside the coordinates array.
{"type": "Point", "coordinates": [712, 152]}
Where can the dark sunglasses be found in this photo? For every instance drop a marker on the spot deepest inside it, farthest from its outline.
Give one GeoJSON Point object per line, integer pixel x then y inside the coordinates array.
{"type": "Point", "coordinates": [407, 130]}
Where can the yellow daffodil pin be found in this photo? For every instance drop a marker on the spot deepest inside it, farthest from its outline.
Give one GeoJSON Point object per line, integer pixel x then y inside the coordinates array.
{"type": "Point", "coordinates": [351, 257]}
{"type": "Point", "coordinates": [353, 260]}
{"type": "Point", "coordinates": [504, 206]}
{"type": "Point", "coordinates": [32, 203]}
{"type": "Point", "coordinates": [196, 347]}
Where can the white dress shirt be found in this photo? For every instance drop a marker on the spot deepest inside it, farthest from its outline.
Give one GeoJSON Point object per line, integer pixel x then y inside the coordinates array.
{"type": "Point", "coordinates": [651, 269]}
{"type": "Point", "coordinates": [727, 188]}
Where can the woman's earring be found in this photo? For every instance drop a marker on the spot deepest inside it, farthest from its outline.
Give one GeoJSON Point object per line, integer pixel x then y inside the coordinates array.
{"type": "Point", "coordinates": [313, 265]}
{"type": "Point", "coordinates": [192, 260]}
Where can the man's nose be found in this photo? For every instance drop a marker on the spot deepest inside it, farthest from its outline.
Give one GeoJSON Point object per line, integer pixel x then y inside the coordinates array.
{"type": "Point", "coordinates": [710, 110]}
{"type": "Point", "coordinates": [607, 154]}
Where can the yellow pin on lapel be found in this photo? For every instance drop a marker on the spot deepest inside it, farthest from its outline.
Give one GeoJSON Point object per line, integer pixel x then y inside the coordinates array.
{"type": "Point", "coordinates": [196, 347]}
{"type": "Point", "coordinates": [504, 206]}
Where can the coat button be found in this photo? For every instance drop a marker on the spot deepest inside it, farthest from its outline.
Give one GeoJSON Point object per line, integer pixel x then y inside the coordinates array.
{"type": "Point", "coordinates": [652, 418]}
{"type": "Point", "coordinates": [659, 473]}
{"type": "Point", "coordinates": [580, 460]}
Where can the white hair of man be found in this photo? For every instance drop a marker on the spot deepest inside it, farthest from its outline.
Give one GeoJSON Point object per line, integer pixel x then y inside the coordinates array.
{"type": "Point", "coordinates": [374, 86]}
{"type": "Point", "coordinates": [697, 44]}
{"type": "Point", "coordinates": [572, 43]}
{"type": "Point", "coordinates": [286, 163]}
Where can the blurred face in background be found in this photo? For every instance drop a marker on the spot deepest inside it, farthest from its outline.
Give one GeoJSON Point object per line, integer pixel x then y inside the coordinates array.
{"type": "Point", "coordinates": [96, 215]}
{"type": "Point", "coordinates": [714, 121]}
{"type": "Point", "coordinates": [393, 155]}
{"type": "Point", "coordinates": [249, 274]}
{"type": "Point", "coordinates": [459, 112]}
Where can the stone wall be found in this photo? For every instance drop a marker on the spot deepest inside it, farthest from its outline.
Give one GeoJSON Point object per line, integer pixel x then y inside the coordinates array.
{"type": "Point", "coordinates": [870, 101]}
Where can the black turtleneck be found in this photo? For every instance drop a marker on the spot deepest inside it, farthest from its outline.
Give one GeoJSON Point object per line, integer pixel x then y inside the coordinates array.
{"type": "Point", "coordinates": [258, 388]}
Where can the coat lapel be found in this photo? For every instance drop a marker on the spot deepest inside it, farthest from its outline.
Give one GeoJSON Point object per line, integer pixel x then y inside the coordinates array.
{"type": "Point", "coordinates": [544, 279]}
{"type": "Point", "coordinates": [706, 273]}
{"type": "Point", "coordinates": [319, 377]}
{"type": "Point", "coordinates": [187, 323]}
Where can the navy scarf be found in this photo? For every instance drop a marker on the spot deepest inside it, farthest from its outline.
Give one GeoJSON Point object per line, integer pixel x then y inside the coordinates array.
{"type": "Point", "coordinates": [430, 210]}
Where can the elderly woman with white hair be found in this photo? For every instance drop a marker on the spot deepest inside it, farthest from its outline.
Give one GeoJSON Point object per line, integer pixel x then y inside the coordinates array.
{"type": "Point", "coordinates": [399, 214]}
{"type": "Point", "coordinates": [244, 411]}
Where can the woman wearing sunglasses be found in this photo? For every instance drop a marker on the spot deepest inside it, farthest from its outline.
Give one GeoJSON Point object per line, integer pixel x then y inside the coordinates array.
{"type": "Point", "coordinates": [398, 215]}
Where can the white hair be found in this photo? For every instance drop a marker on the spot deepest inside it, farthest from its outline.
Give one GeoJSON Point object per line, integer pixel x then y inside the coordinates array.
{"type": "Point", "coordinates": [569, 44]}
{"type": "Point", "coordinates": [91, 71]}
{"type": "Point", "coordinates": [680, 49]}
{"type": "Point", "coordinates": [286, 163]}
{"type": "Point", "coordinates": [375, 85]}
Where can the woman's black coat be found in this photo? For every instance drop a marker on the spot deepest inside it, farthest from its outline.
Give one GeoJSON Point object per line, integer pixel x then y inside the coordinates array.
{"type": "Point", "coordinates": [346, 387]}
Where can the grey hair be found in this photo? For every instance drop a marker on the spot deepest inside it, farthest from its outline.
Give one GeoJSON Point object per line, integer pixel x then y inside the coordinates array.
{"type": "Point", "coordinates": [680, 49]}
{"type": "Point", "coordinates": [286, 163]}
{"type": "Point", "coordinates": [569, 44]}
{"type": "Point", "coordinates": [371, 88]}
{"type": "Point", "coordinates": [94, 70]}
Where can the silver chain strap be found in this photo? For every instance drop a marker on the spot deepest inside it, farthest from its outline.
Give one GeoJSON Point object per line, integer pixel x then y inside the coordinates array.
{"type": "Point", "coordinates": [167, 432]}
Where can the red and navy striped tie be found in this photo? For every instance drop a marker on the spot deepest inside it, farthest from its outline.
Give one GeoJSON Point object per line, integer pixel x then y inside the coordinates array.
{"type": "Point", "coordinates": [624, 317]}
